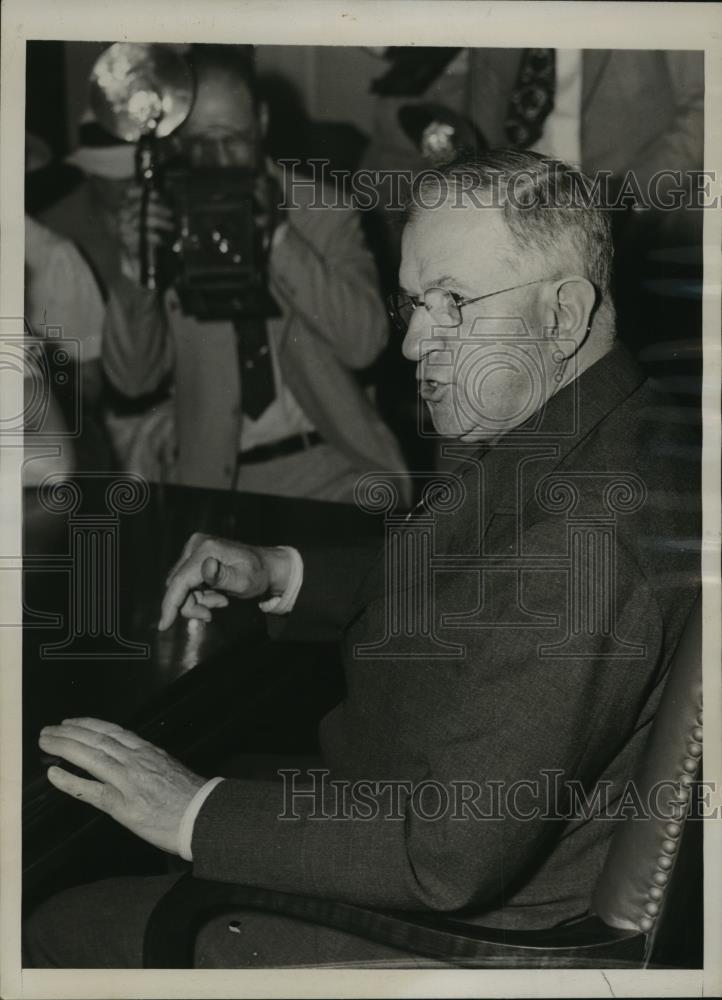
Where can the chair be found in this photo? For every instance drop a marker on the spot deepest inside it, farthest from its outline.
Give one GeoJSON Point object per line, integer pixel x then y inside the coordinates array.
{"type": "Point", "coordinates": [648, 894]}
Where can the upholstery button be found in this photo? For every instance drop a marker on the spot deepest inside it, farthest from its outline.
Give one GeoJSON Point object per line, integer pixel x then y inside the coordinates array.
{"type": "Point", "coordinates": [234, 926]}
{"type": "Point", "coordinates": [646, 924]}
{"type": "Point", "coordinates": [687, 779]}
{"type": "Point", "coordinates": [669, 846]}
{"type": "Point", "coordinates": [673, 829]}
{"type": "Point", "coordinates": [652, 909]}
{"type": "Point", "coordinates": [697, 734]}
{"type": "Point", "coordinates": [694, 750]}
{"type": "Point", "coordinates": [664, 862]}
{"type": "Point", "coordinates": [655, 892]}
{"type": "Point", "coordinates": [661, 878]}
{"type": "Point", "coordinates": [699, 718]}
{"type": "Point", "coordinates": [682, 795]}
{"type": "Point", "coordinates": [690, 766]}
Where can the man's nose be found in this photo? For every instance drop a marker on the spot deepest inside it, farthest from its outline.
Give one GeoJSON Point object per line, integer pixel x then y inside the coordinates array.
{"type": "Point", "coordinates": [417, 331]}
{"type": "Point", "coordinates": [423, 336]}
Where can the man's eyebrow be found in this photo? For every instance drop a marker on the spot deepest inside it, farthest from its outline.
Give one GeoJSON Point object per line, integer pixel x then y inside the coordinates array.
{"type": "Point", "coordinates": [449, 281]}
{"type": "Point", "coordinates": [445, 281]}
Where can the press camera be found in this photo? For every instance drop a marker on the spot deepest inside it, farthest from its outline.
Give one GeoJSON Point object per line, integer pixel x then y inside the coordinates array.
{"type": "Point", "coordinates": [217, 259]}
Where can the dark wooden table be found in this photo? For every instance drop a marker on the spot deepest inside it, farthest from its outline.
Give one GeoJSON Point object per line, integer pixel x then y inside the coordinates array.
{"type": "Point", "coordinates": [201, 693]}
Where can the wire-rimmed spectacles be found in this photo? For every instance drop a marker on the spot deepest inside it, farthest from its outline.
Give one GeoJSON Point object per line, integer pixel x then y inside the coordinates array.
{"type": "Point", "coordinates": [444, 305]}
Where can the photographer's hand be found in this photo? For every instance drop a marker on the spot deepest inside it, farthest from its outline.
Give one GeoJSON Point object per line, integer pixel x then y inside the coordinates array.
{"type": "Point", "coordinates": [209, 568]}
{"type": "Point", "coordinates": [160, 226]}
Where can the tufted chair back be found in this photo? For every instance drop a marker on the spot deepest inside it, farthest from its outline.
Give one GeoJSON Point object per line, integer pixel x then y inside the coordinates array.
{"type": "Point", "coordinates": [634, 888]}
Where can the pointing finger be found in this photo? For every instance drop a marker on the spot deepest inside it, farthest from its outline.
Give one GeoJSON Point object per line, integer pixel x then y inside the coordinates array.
{"type": "Point", "coordinates": [188, 549]}
{"type": "Point", "coordinates": [181, 584]}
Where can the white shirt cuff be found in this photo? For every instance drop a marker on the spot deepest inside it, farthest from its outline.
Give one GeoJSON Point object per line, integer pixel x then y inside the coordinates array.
{"type": "Point", "coordinates": [185, 834]}
{"type": "Point", "coordinates": [282, 604]}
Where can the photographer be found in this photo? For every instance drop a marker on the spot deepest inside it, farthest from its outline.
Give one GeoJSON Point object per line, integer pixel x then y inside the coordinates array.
{"type": "Point", "coordinates": [275, 406]}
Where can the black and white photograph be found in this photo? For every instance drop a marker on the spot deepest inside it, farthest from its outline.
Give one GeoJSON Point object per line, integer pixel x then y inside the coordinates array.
{"type": "Point", "coordinates": [360, 532]}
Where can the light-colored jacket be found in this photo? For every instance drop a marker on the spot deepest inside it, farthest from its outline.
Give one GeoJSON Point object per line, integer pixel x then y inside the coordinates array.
{"type": "Point", "coordinates": [332, 326]}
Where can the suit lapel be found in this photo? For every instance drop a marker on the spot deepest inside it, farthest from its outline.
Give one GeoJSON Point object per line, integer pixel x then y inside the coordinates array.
{"type": "Point", "coordinates": [568, 418]}
{"type": "Point", "coordinates": [500, 492]}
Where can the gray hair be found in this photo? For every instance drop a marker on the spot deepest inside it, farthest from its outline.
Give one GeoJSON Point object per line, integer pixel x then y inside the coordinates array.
{"type": "Point", "coordinates": [549, 206]}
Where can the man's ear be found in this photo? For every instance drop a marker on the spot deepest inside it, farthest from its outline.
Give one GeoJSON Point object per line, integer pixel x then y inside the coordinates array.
{"type": "Point", "coordinates": [568, 312]}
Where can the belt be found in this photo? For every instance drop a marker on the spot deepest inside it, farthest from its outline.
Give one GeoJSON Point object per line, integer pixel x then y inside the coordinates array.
{"type": "Point", "coordinates": [286, 446]}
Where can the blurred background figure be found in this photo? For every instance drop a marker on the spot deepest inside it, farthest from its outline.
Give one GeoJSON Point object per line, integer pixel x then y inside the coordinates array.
{"type": "Point", "coordinates": [92, 183]}
{"type": "Point", "coordinates": [63, 303]}
{"type": "Point", "coordinates": [271, 404]}
{"type": "Point", "coordinates": [638, 115]}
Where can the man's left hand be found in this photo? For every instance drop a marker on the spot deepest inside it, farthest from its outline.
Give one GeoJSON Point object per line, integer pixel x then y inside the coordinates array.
{"type": "Point", "coordinates": [137, 784]}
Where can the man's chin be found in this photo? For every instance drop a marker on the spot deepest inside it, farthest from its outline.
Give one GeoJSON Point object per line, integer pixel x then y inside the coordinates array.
{"type": "Point", "coordinates": [447, 425]}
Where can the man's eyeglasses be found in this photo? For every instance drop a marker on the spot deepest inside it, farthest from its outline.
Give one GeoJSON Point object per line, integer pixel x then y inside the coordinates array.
{"type": "Point", "coordinates": [444, 305]}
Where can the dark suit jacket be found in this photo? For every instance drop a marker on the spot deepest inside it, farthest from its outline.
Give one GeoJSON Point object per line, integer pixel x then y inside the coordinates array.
{"type": "Point", "coordinates": [510, 708]}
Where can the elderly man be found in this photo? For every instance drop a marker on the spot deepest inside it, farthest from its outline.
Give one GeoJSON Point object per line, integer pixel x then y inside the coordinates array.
{"type": "Point", "coordinates": [563, 573]}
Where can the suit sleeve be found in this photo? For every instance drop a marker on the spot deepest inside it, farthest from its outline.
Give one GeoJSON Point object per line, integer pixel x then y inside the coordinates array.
{"type": "Point", "coordinates": [137, 353]}
{"type": "Point", "coordinates": [325, 273]}
{"type": "Point", "coordinates": [514, 717]}
{"type": "Point", "coordinates": [332, 579]}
